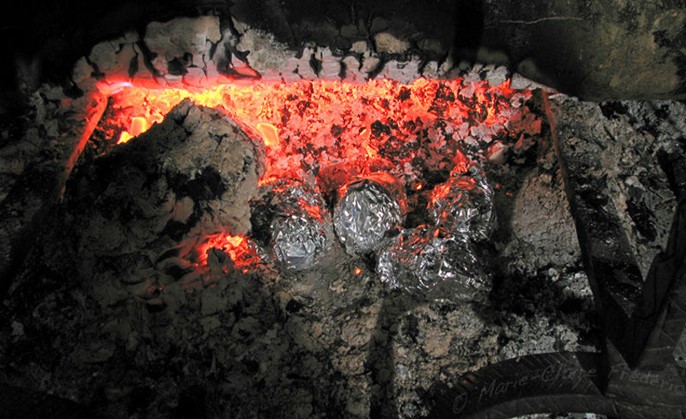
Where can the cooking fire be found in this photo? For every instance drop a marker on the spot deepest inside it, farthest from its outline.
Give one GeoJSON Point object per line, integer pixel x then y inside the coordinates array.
{"type": "Point", "coordinates": [322, 137]}
{"type": "Point", "coordinates": [204, 221]}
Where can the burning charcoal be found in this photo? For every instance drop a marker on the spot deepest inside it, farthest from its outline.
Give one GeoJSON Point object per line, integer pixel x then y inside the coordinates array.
{"type": "Point", "coordinates": [367, 209]}
{"type": "Point", "coordinates": [300, 224]}
{"type": "Point", "coordinates": [428, 262]}
{"type": "Point", "coordinates": [464, 204]}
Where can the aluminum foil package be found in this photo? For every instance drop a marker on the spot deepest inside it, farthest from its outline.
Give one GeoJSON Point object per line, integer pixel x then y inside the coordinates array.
{"type": "Point", "coordinates": [300, 227]}
{"type": "Point", "coordinates": [427, 263]}
{"type": "Point", "coordinates": [464, 204]}
{"type": "Point", "coordinates": [298, 241]}
{"type": "Point", "coordinates": [367, 209]}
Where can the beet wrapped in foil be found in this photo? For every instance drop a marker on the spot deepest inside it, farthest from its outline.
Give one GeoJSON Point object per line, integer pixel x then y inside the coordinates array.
{"type": "Point", "coordinates": [464, 204]}
{"type": "Point", "coordinates": [300, 227]}
{"type": "Point", "coordinates": [366, 210]}
{"type": "Point", "coordinates": [427, 263]}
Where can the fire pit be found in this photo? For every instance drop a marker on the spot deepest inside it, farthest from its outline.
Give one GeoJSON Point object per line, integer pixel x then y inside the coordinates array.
{"type": "Point", "coordinates": [226, 227]}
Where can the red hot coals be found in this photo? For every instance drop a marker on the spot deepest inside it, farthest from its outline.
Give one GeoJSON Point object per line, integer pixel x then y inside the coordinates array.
{"type": "Point", "coordinates": [346, 155]}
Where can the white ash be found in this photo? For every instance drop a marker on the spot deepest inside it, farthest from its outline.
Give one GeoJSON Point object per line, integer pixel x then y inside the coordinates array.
{"type": "Point", "coordinates": [542, 225]}
{"type": "Point", "coordinates": [178, 37]}
{"type": "Point", "coordinates": [385, 42]}
{"type": "Point", "coordinates": [265, 54]}
{"type": "Point", "coordinates": [258, 54]}
{"type": "Point", "coordinates": [113, 57]}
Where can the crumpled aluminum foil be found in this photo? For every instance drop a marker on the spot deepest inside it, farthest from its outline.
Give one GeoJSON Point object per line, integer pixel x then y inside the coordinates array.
{"type": "Point", "coordinates": [298, 242]}
{"type": "Point", "coordinates": [429, 263]}
{"type": "Point", "coordinates": [367, 209]}
{"type": "Point", "coordinates": [301, 226]}
{"type": "Point", "coordinates": [464, 204]}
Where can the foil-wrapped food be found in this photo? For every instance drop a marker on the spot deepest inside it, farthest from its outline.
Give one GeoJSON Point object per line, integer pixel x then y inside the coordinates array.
{"type": "Point", "coordinates": [300, 227]}
{"type": "Point", "coordinates": [464, 205]}
{"type": "Point", "coordinates": [298, 241]}
{"type": "Point", "coordinates": [431, 263]}
{"type": "Point", "coordinates": [366, 209]}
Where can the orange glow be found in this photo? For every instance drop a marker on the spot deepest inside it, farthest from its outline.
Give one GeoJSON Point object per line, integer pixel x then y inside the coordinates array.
{"type": "Point", "coordinates": [236, 247]}
{"type": "Point", "coordinates": [357, 271]}
{"type": "Point", "coordinates": [138, 126]}
{"type": "Point", "coordinates": [269, 133]}
{"type": "Point", "coordinates": [318, 123]}
{"type": "Point", "coordinates": [312, 210]}
{"type": "Point", "coordinates": [442, 190]}
{"type": "Point", "coordinates": [309, 127]}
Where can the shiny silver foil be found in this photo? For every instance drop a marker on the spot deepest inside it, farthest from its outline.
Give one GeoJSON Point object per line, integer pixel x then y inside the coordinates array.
{"type": "Point", "coordinates": [366, 210]}
{"type": "Point", "coordinates": [426, 263]}
{"type": "Point", "coordinates": [464, 205]}
{"type": "Point", "coordinates": [300, 227]}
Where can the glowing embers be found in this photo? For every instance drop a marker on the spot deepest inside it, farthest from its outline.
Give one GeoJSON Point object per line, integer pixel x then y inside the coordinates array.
{"type": "Point", "coordinates": [269, 133]}
{"type": "Point", "coordinates": [138, 126]}
{"type": "Point", "coordinates": [242, 252]}
{"type": "Point", "coordinates": [312, 124]}
{"type": "Point", "coordinates": [331, 133]}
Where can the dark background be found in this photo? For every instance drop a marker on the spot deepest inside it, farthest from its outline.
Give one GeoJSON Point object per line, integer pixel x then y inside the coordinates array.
{"type": "Point", "coordinates": [44, 39]}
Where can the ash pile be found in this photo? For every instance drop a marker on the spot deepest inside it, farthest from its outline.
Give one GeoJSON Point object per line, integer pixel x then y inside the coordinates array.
{"type": "Point", "coordinates": [355, 294]}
